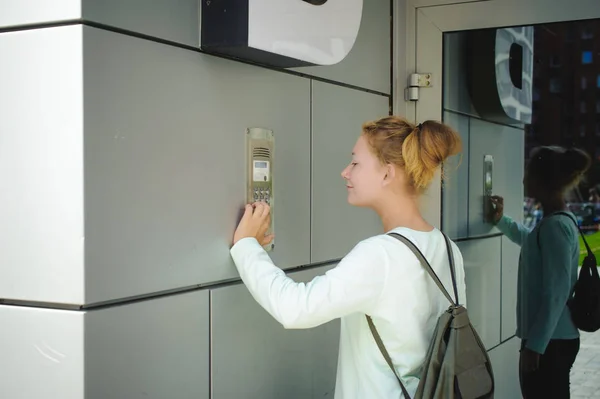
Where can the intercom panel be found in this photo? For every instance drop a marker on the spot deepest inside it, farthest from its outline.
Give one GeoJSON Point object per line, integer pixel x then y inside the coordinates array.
{"type": "Point", "coordinates": [260, 145]}
{"type": "Point", "coordinates": [488, 166]}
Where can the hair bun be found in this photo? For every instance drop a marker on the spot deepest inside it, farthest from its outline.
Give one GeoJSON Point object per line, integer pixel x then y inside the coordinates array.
{"type": "Point", "coordinates": [577, 161]}
{"type": "Point", "coordinates": [417, 148]}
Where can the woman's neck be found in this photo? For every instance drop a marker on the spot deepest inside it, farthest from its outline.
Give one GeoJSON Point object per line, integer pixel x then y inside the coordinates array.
{"type": "Point", "coordinates": [552, 205]}
{"type": "Point", "coordinates": [402, 212]}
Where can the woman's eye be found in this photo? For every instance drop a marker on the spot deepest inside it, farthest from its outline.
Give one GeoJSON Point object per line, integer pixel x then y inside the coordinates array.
{"type": "Point", "coordinates": [353, 163]}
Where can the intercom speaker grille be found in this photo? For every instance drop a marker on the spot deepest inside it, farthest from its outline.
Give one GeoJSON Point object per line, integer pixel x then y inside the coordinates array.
{"type": "Point", "coordinates": [261, 152]}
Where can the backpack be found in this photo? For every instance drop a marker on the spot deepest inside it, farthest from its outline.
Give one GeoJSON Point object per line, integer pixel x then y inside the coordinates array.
{"type": "Point", "coordinates": [584, 303]}
{"type": "Point", "coordinates": [457, 365]}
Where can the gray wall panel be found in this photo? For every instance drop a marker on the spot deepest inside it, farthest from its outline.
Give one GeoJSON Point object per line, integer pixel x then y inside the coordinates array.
{"type": "Point", "coordinates": [27, 12]}
{"type": "Point", "coordinates": [505, 362]}
{"type": "Point", "coordinates": [510, 267]}
{"type": "Point", "coordinates": [482, 269]}
{"type": "Point", "coordinates": [368, 64]}
{"type": "Point", "coordinates": [165, 163]}
{"type": "Point", "coordinates": [41, 353]}
{"type": "Point", "coordinates": [152, 349]}
{"type": "Point", "coordinates": [456, 93]}
{"type": "Point", "coordinates": [455, 192]}
{"type": "Point", "coordinates": [338, 114]}
{"type": "Point", "coordinates": [496, 140]}
{"type": "Point", "coordinates": [254, 357]}
{"type": "Point", "coordinates": [41, 167]}
{"type": "Point", "coordinates": [174, 20]}
{"type": "Point", "coordinates": [178, 21]}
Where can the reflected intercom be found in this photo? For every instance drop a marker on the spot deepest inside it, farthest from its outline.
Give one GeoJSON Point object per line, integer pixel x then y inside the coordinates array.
{"type": "Point", "coordinates": [260, 145]}
{"type": "Point", "coordinates": [488, 166]}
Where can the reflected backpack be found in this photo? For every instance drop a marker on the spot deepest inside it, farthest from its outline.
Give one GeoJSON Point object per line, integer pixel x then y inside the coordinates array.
{"type": "Point", "coordinates": [584, 304]}
{"type": "Point", "coordinates": [457, 365]}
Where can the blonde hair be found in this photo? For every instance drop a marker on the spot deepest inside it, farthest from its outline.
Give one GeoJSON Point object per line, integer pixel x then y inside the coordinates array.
{"type": "Point", "coordinates": [418, 149]}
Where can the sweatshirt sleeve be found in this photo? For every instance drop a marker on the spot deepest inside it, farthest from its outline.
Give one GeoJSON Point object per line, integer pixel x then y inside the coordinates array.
{"type": "Point", "coordinates": [515, 232]}
{"type": "Point", "coordinates": [556, 250]}
{"type": "Point", "coordinates": [354, 285]}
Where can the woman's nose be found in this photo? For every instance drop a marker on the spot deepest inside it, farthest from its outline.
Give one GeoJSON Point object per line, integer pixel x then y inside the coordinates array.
{"type": "Point", "coordinates": [345, 173]}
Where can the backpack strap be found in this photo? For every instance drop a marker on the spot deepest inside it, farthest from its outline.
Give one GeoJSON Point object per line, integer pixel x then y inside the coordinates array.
{"type": "Point", "coordinates": [427, 267]}
{"type": "Point", "coordinates": [385, 354]}
{"type": "Point", "coordinates": [452, 269]}
{"type": "Point", "coordinates": [589, 250]}
{"type": "Point", "coordinates": [589, 263]}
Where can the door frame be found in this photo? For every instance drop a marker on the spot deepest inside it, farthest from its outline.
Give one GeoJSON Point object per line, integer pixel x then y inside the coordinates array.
{"type": "Point", "coordinates": [419, 27]}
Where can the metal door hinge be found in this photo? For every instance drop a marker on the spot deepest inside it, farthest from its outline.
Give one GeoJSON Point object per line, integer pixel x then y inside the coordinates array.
{"type": "Point", "coordinates": [416, 81]}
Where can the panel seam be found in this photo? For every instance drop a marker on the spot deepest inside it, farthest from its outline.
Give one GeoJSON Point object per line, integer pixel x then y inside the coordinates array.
{"type": "Point", "coordinates": [501, 343]}
{"type": "Point", "coordinates": [469, 180]}
{"type": "Point", "coordinates": [171, 43]}
{"type": "Point", "coordinates": [310, 177]}
{"type": "Point", "coordinates": [468, 115]}
{"type": "Point", "coordinates": [150, 296]}
{"type": "Point", "coordinates": [210, 346]}
{"type": "Point", "coordinates": [501, 280]}
{"type": "Point", "coordinates": [392, 60]}
{"type": "Point", "coordinates": [481, 237]}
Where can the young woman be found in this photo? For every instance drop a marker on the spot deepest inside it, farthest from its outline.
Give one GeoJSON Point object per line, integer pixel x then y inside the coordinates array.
{"type": "Point", "coordinates": [392, 162]}
{"type": "Point", "coordinates": [548, 269]}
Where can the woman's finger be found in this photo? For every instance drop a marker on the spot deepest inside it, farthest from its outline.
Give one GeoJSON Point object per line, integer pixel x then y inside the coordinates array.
{"type": "Point", "coordinates": [263, 209]}
{"type": "Point", "coordinates": [264, 226]}
{"type": "Point", "coordinates": [258, 210]}
{"type": "Point", "coordinates": [247, 213]}
{"type": "Point", "coordinates": [268, 239]}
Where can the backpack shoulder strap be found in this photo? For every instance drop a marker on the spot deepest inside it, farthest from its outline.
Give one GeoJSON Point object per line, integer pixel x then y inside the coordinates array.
{"type": "Point", "coordinates": [427, 266]}
{"type": "Point", "coordinates": [452, 268]}
{"type": "Point", "coordinates": [589, 250]}
{"type": "Point", "coordinates": [385, 354]}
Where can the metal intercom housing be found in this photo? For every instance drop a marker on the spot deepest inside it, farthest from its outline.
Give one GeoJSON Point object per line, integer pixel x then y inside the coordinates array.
{"type": "Point", "coordinates": [488, 168]}
{"type": "Point", "coordinates": [260, 145]}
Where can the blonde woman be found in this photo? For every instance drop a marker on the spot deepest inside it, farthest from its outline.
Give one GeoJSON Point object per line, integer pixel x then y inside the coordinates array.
{"type": "Point", "coordinates": [393, 161]}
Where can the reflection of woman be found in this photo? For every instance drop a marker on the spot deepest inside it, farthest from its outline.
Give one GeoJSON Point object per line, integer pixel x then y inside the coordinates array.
{"type": "Point", "coordinates": [548, 268]}
{"type": "Point", "coordinates": [392, 162]}
{"type": "Point", "coordinates": [538, 213]}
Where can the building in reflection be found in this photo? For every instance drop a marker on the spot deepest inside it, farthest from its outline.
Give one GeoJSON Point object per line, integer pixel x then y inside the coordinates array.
{"type": "Point", "coordinates": [566, 96]}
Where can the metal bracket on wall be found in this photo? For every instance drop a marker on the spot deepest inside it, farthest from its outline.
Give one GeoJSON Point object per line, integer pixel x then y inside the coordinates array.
{"type": "Point", "coordinates": [416, 81]}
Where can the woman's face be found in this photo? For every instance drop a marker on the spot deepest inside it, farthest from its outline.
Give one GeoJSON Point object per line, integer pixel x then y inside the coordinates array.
{"type": "Point", "coordinates": [531, 185]}
{"type": "Point", "coordinates": [364, 176]}
{"type": "Point", "coordinates": [526, 188]}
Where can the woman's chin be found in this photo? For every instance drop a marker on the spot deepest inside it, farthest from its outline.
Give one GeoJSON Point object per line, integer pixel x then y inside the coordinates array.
{"type": "Point", "coordinates": [355, 202]}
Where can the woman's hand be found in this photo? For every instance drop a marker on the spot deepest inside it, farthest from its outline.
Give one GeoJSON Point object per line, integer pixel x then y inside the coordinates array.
{"type": "Point", "coordinates": [529, 360]}
{"type": "Point", "coordinates": [498, 208]}
{"type": "Point", "coordinates": [255, 223]}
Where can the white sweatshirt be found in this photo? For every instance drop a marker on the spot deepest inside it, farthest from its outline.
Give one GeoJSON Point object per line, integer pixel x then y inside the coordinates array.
{"type": "Point", "coordinates": [380, 277]}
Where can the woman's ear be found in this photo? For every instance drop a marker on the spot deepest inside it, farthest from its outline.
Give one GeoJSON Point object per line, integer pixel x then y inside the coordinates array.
{"type": "Point", "coordinates": [390, 174]}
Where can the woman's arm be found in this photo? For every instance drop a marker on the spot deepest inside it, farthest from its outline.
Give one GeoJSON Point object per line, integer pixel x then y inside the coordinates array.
{"type": "Point", "coordinates": [515, 232]}
{"type": "Point", "coordinates": [354, 285]}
